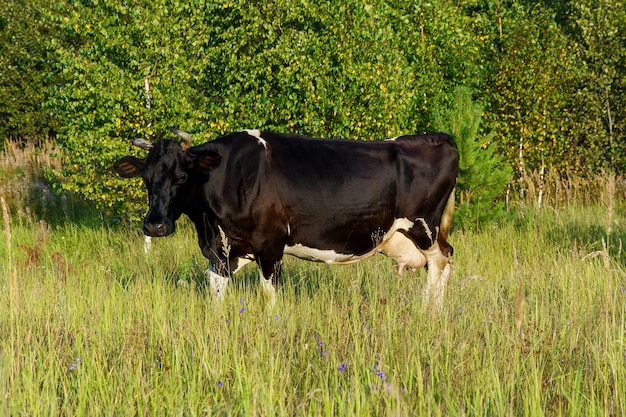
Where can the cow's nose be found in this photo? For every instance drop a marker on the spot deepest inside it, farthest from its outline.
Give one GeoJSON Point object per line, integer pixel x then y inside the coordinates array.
{"type": "Point", "coordinates": [155, 229]}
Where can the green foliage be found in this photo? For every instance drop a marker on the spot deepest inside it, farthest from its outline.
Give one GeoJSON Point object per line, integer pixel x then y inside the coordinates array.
{"type": "Point", "coordinates": [550, 76]}
{"type": "Point", "coordinates": [599, 32]}
{"type": "Point", "coordinates": [24, 71]}
{"type": "Point", "coordinates": [532, 70]}
{"type": "Point", "coordinates": [335, 69]}
{"type": "Point", "coordinates": [483, 174]}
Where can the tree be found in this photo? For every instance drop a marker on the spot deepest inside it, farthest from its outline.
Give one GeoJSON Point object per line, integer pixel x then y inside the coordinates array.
{"type": "Point", "coordinates": [483, 174]}
{"type": "Point", "coordinates": [24, 72]}
{"type": "Point", "coordinates": [339, 69]}
{"type": "Point", "coordinates": [598, 30]}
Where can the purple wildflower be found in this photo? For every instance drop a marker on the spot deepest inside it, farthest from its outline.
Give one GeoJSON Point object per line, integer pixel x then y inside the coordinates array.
{"type": "Point", "coordinates": [342, 367]}
{"type": "Point", "coordinates": [242, 310]}
{"type": "Point", "coordinates": [220, 384]}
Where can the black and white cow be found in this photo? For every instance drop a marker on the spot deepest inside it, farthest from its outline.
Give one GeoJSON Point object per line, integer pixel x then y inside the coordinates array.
{"type": "Point", "coordinates": [255, 196]}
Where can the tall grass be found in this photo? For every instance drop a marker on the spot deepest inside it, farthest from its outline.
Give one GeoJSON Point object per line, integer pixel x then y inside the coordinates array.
{"type": "Point", "coordinates": [101, 328]}
{"type": "Point", "coordinates": [533, 324]}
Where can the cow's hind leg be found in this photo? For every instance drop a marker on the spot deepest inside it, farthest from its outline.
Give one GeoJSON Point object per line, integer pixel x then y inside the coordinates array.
{"type": "Point", "coordinates": [438, 255]}
{"type": "Point", "coordinates": [439, 272]}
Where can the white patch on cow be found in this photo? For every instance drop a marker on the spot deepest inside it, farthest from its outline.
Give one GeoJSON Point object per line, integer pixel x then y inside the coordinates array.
{"type": "Point", "coordinates": [400, 224]}
{"type": "Point", "coordinates": [218, 283]}
{"type": "Point", "coordinates": [331, 257]}
{"type": "Point", "coordinates": [426, 229]}
{"type": "Point", "coordinates": [257, 134]}
{"type": "Point", "coordinates": [392, 139]}
{"type": "Point", "coordinates": [243, 261]}
{"type": "Point", "coordinates": [288, 229]}
{"type": "Point", "coordinates": [322, 255]}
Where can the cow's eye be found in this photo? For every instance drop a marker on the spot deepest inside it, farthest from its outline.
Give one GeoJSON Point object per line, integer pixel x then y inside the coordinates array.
{"type": "Point", "coordinates": [181, 180]}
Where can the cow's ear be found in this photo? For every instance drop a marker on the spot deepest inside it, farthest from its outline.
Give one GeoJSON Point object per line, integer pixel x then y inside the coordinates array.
{"type": "Point", "coordinates": [128, 167]}
{"type": "Point", "coordinates": [205, 160]}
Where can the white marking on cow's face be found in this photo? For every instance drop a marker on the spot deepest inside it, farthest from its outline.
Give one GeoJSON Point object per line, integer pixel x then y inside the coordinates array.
{"type": "Point", "coordinates": [257, 134]}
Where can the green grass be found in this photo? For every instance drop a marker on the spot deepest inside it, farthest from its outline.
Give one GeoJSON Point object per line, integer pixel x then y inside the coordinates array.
{"type": "Point", "coordinates": [90, 325]}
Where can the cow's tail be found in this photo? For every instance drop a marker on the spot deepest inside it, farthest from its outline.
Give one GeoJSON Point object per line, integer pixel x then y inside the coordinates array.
{"type": "Point", "coordinates": [446, 219]}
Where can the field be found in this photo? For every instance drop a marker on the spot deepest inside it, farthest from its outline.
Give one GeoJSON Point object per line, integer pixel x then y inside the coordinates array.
{"type": "Point", "coordinates": [533, 324]}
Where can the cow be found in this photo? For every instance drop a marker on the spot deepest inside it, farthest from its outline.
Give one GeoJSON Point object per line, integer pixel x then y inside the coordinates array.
{"type": "Point", "coordinates": [255, 196]}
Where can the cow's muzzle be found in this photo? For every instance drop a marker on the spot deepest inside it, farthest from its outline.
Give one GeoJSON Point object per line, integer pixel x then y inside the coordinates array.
{"type": "Point", "coordinates": [157, 229]}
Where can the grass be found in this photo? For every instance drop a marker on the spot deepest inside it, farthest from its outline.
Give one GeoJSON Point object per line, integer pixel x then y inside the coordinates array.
{"type": "Point", "coordinates": [92, 326]}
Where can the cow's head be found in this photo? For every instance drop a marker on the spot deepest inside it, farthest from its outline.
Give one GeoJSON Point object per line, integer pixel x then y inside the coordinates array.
{"type": "Point", "coordinates": [166, 171]}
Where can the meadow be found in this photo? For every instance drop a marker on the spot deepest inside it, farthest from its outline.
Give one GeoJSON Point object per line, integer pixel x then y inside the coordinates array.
{"type": "Point", "coordinates": [533, 323]}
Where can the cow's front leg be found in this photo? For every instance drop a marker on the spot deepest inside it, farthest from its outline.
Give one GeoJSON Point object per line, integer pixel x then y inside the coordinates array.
{"type": "Point", "coordinates": [218, 281]}
{"type": "Point", "coordinates": [270, 277]}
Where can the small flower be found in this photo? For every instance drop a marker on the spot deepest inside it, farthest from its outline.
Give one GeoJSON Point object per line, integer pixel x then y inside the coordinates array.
{"type": "Point", "coordinates": [275, 318]}
{"type": "Point", "coordinates": [242, 301]}
{"type": "Point", "coordinates": [342, 367]}
{"type": "Point", "coordinates": [242, 310]}
{"type": "Point", "coordinates": [323, 353]}
{"type": "Point", "coordinates": [220, 384]}
{"type": "Point", "coordinates": [74, 365]}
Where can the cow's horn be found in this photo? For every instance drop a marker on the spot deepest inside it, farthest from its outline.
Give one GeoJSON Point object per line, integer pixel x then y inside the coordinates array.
{"type": "Point", "coordinates": [185, 136]}
{"type": "Point", "coordinates": [142, 143]}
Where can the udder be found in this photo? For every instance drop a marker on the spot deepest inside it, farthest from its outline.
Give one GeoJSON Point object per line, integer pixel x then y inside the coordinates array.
{"type": "Point", "coordinates": [401, 249]}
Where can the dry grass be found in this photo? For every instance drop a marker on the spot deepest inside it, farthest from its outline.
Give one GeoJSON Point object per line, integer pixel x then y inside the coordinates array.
{"type": "Point", "coordinates": [29, 183]}
{"type": "Point", "coordinates": [558, 191]}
